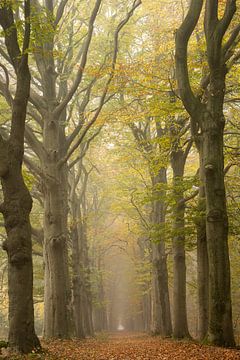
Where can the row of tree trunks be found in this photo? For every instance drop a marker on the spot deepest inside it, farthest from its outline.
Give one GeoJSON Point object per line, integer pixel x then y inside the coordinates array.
{"type": "Point", "coordinates": [51, 152]}
{"type": "Point", "coordinates": [207, 119]}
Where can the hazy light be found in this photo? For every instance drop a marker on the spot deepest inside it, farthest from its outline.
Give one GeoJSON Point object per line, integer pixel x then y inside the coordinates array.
{"type": "Point", "coordinates": [120, 327]}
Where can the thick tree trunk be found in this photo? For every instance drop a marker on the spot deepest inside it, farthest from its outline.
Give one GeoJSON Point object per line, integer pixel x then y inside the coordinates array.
{"type": "Point", "coordinates": [180, 325]}
{"type": "Point", "coordinates": [17, 201]}
{"type": "Point", "coordinates": [209, 118]}
{"type": "Point", "coordinates": [57, 294]}
{"type": "Point", "coordinates": [16, 209]}
{"type": "Point", "coordinates": [161, 316]}
{"type": "Point", "coordinates": [82, 297]}
{"type": "Point", "coordinates": [220, 330]}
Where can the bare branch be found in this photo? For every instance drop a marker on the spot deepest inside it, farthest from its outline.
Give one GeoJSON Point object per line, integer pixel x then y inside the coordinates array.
{"type": "Point", "coordinates": [34, 168]}
{"type": "Point", "coordinates": [83, 153]}
{"type": "Point", "coordinates": [34, 143]}
{"type": "Point", "coordinates": [183, 34]}
{"type": "Point", "coordinates": [229, 12]}
{"type": "Point", "coordinates": [232, 39]}
{"type": "Point", "coordinates": [145, 223]}
{"type": "Point", "coordinates": [105, 91]}
{"type": "Point", "coordinates": [79, 75]}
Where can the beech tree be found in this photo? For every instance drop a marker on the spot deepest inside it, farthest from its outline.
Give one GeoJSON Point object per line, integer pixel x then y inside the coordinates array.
{"type": "Point", "coordinates": [178, 157]}
{"type": "Point", "coordinates": [17, 201]}
{"type": "Point", "coordinates": [208, 123]}
{"type": "Point", "coordinates": [145, 137]}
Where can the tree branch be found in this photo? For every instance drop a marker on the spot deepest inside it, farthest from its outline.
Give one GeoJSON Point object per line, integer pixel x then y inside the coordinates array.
{"type": "Point", "coordinates": [34, 143]}
{"type": "Point", "coordinates": [105, 91]}
{"type": "Point", "coordinates": [183, 34]}
{"type": "Point", "coordinates": [79, 75]}
{"type": "Point", "coordinates": [229, 12]}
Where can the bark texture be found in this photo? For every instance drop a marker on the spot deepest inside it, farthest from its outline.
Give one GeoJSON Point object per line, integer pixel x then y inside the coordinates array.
{"type": "Point", "coordinates": [57, 294]}
{"type": "Point", "coordinates": [17, 203]}
{"type": "Point", "coordinates": [82, 296]}
{"type": "Point", "coordinates": [161, 316]}
{"type": "Point", "coordinates": [202, 252]}
{"type": "Point", "coordinates": [180, 325]}
{"type": "Point", "coordinates": [160, 310]}
{"type": "Point", "coordinates": [208, 118]}
{"type": "Point", "coordinates": [57, 284]}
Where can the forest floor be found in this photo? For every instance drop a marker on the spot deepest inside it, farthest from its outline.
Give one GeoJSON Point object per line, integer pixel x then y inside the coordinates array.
{"type": "Point", "coordinates": [128, 346]}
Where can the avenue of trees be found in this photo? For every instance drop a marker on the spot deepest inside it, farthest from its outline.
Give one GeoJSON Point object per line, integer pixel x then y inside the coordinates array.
{"type": "Point", "coordinates": [119, 168]}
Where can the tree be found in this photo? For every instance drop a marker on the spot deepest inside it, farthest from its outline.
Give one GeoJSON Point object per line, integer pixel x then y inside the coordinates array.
{"type": "Point", "coordinates": [178, 160]}
{"type": "Point", "coordinates": [17, 203]}
{"type": "Point", "coordinates": [208, 123]}
{"type": "Point", "coordinates": [161, 316]}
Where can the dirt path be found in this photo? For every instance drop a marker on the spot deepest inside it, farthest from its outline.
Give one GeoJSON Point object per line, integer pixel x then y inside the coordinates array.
{"type": "Point", "coordinates": [124, 346]}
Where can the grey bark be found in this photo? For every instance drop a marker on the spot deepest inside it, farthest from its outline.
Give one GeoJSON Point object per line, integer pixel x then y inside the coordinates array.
{"type": "Point", "coordinates": [161, 316]}
{"type": "Point", "coordinates": [209, 118]}
{"type": "Point", "coordinates": [180, 324]}
{"type": "Point", "coordinates": [77, 281]}
{"type": "Point", "coordinates": [57, 282]}
{"type": "Point", "coordinates": [82, 297]}
{"type": "Point", "coordinates": [202, 252]}
{"type": "Point", "coordinates": [160, 309]}
{"type": "Point", "coordinates": [17, 201]}
{"type": "Point", "coordinates": [144, 250]}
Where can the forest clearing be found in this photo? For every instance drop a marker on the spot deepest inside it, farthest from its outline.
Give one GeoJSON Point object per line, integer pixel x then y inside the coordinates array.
{"type": "Point", "coordinates": [120, 179]}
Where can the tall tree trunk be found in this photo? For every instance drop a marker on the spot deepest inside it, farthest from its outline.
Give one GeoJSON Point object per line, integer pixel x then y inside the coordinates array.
{"type": "Point", "coordinates": [100, 314]}
{"type": "Point", "coordinates": [57, 287]}
{"type": "Point", "coordinates": [17, 201]}
{"type": "Point", "coordinates": [143, 244]}
{"type": "Point", "coordinates": [146, 306]}
{"type": "Point", "coordinates": [202, 253]}
{"type": "Point", "coordinates": [82, 297]}
{"type": "Point", "coordinates": [77, 283]}
{"type": "Point", "coordinates": [209, 118]}
{"type": "Point", "coordinates": [220, 329]}
{"type": "Point", "coordinates": [16, 210]}
{"type": "Point", "coordinates": [180, 325]}
{"type": "Point", "coordinates": [87, 294]}
{"type": "Point", "coordinates": [77, 255]}
{"type": "Point", "coordinates": [161, 316]}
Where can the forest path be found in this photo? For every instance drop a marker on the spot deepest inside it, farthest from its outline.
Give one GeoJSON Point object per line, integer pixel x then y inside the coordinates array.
{"type": "Point", "coordinates": [134, 346]}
